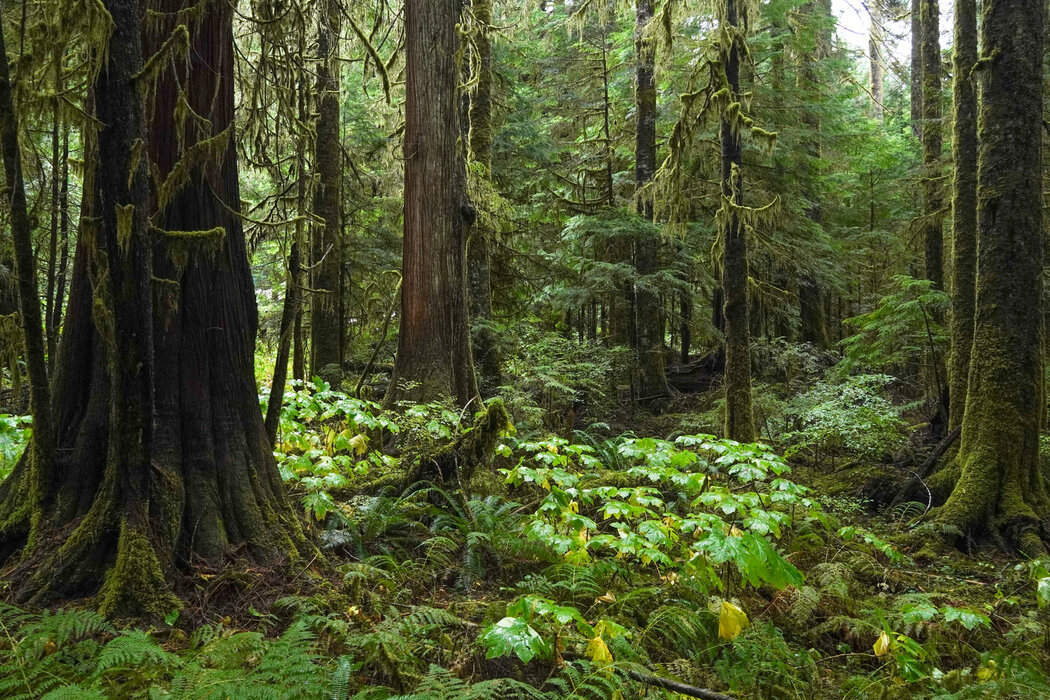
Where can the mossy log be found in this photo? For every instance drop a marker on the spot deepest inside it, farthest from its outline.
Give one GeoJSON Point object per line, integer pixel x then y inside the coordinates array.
{"type": "Point", "coordinates": [455, 462]}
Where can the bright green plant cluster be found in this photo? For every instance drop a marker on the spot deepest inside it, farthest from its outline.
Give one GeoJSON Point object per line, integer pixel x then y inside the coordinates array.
{"type": "Point", "coordinates": [15, 432]}
{"type": "Point", "coordinates": [693, 506]}
{"type": "Point", "coordinates": [850, 418]}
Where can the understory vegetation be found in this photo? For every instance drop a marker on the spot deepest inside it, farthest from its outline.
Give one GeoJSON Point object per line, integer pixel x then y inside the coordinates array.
{"type": "Point", "coordinates": [591, 565]}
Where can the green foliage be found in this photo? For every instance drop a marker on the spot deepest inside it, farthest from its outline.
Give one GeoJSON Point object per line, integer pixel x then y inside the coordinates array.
{"type": "Point", "coordinates": [901, 329]}
{"type": "Point", "coordinates": [15, 432]}
{"type": "Point", "coordinates": [851, 417]}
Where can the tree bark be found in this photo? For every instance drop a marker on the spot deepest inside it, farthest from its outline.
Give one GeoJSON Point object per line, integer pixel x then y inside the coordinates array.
{"type": "Point", "coordinates": [740, 424]}
{"type": "Point", "coordinates": [289, 310]}
{"type": "Point", "coordinates": [37, 494]}
{"type": "Point", "coordinates": [479, 268]}
{"type": "Point", "coordinates": [433, 356]}
{"type": "Point", "coordinates": [1000, 486]}
{"type": "Point", "coordinates": [933, 200]}
{"type": "Point", "coordinates": [326, 346]}
{"type": "Point", "coordinates": [875, 57]}
{"type": "Point", "coordinates": [650, 310]}
{"type": "Point", "coordinates": [915, 85]}
{"type": "Point", "coordinates": [964, 206]}
{"type": "Point", "coordinates": [162, 454]}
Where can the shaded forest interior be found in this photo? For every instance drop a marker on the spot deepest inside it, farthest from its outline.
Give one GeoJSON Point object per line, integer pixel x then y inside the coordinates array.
{"type": "Point", "coordinates": [587, 349]}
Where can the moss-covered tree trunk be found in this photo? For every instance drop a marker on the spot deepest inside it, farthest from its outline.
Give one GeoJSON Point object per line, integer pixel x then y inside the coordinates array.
{"type": "Point", "coordinates": [433, 354]}
{"type": "Point", "coordinates": [649, 306]}
{"type": "Point", "coordinates": [161, 453]}
{"type": "Point", "coordinates": [739, 421]}
{"type": "Point", "coordinates": [813, 327]}
{"type": "Point", "coordinates": [915, 84]}
{"type": "Point", "coordinates": [479, 264]}
{"type": "Point", "coordinates": [1000, 486]}
{"type": "Point", "coordinates": [326, 307]}
{"type": "Point", "coordinates": [932, 198]}
{"type": "Point", "coordinates": [964, 206]}
{"type": "Point", "coordinates": [39, 459]}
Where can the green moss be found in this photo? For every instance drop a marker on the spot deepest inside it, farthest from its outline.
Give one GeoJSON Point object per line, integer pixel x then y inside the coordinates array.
{"type": "Point", "coordinates": [135, 585]}
{"type": "Point", "coordinates": [458, 459]}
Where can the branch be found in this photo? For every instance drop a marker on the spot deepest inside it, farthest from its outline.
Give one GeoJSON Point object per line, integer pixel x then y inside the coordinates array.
{"type": "Point", "coordinates": [676, 686]}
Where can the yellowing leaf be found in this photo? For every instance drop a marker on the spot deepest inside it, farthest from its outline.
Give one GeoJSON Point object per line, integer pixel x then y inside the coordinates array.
{"type": "Point", "coordinates": [736, 532]}
{"type": "Point", "coordinates": [598, 651]}
{"type": "Point", "coordinates": [987, 671]}
{"type": "Point", "coordinates": [359, 444]}
{"type": "Point", "coordinates": [882, 645]}
{"type": "Point", "coordinates": [731, 621]}
{"type": "Point", "coordinates": [607, 598]}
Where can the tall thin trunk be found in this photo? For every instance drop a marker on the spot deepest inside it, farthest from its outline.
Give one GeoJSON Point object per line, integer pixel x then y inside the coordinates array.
{"type": "Point", "coordinates": [915, 84]}
{"type": "Point", "coordinates": [649, 308]}
{"type": "Point", "coordinates": [433, 355]}
{"type": "Point", "coordinates": [326, 347]}
{"type": "Point", "coordinates": [60, 283]}
{"type": "Point", "coordinates": [52, 258]}
{"type": "Point", "coordinates": [740, 424]}
{"type": "Point", "coordinates": [479, 268]}
{"type": "Point", "coordinates": [933, 200]}
{"type": "Point", "coordinates": [289, 310]}
{"type": "Point", "coordinates": [28, 297]}
{"type": "Point", "coordinates": [964, 206]}
{"type": "Point", "coordinates": [1001, 486]}
{"type": "Point", "coordinates": [875, 57]}
{"type": "Point", "coordinates": [812, 321]}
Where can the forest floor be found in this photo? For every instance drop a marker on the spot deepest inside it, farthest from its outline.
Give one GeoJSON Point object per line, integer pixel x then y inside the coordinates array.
{"type": "Point", "coordinates": [598, 566]}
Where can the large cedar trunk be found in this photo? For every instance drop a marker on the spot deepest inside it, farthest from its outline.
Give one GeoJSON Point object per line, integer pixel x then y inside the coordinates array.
{"type": "Point", "coordinates": [739, 422]}
{"type": "Point", "coordinates": [1000, 486]}
{"type": "Point", "coordinates": [162, 457]}
{"type": "Point", "coordinates": [433, 354]}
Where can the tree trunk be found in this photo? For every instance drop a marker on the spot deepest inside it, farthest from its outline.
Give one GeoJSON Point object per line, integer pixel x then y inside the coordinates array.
{"type": "Point", "coordinates": [875, 57]}
{"type": "Point", "coordinates": [650, 324]}
{"type": "Point", "coordinates": [52, 258]}
{"type": "Point", "coordinates": [933, 200]}
{"type": "Point", "coordinates": [964, 206]}
{"type": "Point", "coordinates": [433, 354]}
{"type": "Point", "coordinates": [739, 422]}
{"type": "Point", "coordinates": [479, 269]}
{"type": "Point", "coordinates": [915, 85]}
{"type": "Point", "coordinates": [289, 310]}
{"type": "Point", "coordinates": [813, 327]}
{"type": "Point", "coordinates": [162, 454]}
{"type": "Point", "coordinates": [326, 346]}
{"type": "Point", "coordinates": [1000, 484]}
{"type": "Point", "coordinates": [36, 494]}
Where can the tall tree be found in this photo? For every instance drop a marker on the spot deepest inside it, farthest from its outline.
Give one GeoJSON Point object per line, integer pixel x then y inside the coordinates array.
{"type": "Point", "coordinates": [162, 456]}
{"type": "Point", "coordinates": [433, 353]}
{"type": "Point", "coordinates": [875, 56]}
{"type": "Point", "coordinates": [915, 84]}
{"type": "Point", "coordinates": [1000, 486]}
{"type": "Point", "coordinates": [964, 205]}
{"type": "Point", "coordinates": [326, 309]}
{"type": "Point", "coordinates": [41, 453]}
{"type": "Point", "coordinates": [479, 264]}
{"type": "Point", "coordinates": [930, 52]}
{"type": "Point", "coordinates": [649, 305]}
{"type": "Point", "coordinates": [739, 421]}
